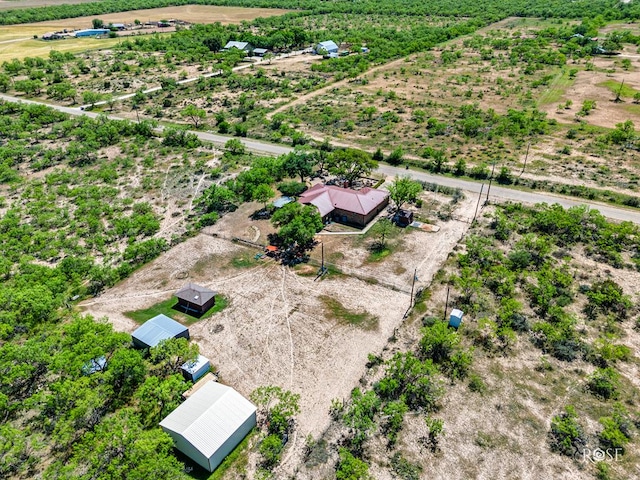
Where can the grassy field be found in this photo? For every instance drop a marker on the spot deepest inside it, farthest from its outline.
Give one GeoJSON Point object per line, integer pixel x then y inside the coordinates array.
{"type": "Point", "coordinates": [618, 87]}
{"type": "Point", "coordinates": [170, 309]}
{"type": "Point", "coordinates": [40, 48]}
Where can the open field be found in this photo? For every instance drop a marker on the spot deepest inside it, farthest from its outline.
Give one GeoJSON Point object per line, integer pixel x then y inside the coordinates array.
{"type": "Point", "coordinates": [188, 13]}
{"type": "Point", "coordinates": [37, 48]}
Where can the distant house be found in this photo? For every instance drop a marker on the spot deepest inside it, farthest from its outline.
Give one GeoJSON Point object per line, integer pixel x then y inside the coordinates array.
{"type": "Point", "coordinates": [93, 32]}
{"type": "Point", "coordinates": [118, 26]}
{"type": "Point", "coordinates": [210, 423]}
{"type": "Point", "coordinates": [244, 46]}
{"type": "Point", "coordinates": [195, 298]}
{"type": "Point", "coordinates": [260, 52]}
{"type": "Point", "coordinates": [344, 205]}
{"type": "Point", "coordinates": [194, 370]}
{"type": "Point", "coordinates": [327, 47]}
{"type": "Point", "coordinates": [157, 329]}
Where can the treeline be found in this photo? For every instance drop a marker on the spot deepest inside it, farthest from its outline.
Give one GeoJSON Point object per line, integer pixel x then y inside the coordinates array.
{"type": "Point", "coordinates": [493, 9]}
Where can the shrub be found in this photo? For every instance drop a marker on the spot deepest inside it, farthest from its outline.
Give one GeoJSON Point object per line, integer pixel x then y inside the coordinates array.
{"type": "Point", "coordinates": [617, 429]}
{"type": "Point", "coordinates": [404, 468]}
{"type": "Point", "coordinates": [604, 383]}
{"type": "Point", "coordinates": [350, 467]}
{"type": "Point", "coordinates": [476, 384]}
{"type": "Point", "coordinates": [271, 450]}
{"type": "Point", "coordinates": [566, 434]}
{"type": "Point", "coordinates": [291, 189]}
{"type": "Point", "coordinates": [395, 157]}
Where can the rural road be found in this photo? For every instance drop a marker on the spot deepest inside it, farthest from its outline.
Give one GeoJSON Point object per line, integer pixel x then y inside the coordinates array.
{"type": "Point", "coordinates": [496, 193]}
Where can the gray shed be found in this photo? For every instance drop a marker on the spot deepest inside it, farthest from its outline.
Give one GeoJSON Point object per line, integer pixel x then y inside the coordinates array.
{"type": "Point", "coordinates": [159, 328]}
{"type": "Point", "coordinates": [209, 424]}
{"type": "Point", "coordinates": [195, 369]}
{"type": "Point", "coordinates": [244, 46]}
{"type": "Point", "coordinates": [329, 46]}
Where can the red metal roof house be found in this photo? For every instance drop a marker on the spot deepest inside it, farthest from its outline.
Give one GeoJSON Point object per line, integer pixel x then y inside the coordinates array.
{"type": "Point", "coordinates": [344, 205]}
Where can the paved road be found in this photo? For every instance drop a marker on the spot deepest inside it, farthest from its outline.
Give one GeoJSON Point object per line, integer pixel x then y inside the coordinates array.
{"type": "Point", "coordinates": [496, 193]}
{"type": "Point", "coordinates": [512, 194]}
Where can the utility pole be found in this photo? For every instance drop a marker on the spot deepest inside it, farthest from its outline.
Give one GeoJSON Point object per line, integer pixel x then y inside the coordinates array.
{"type": "Point", "coordinates": [478, 204]}
{"type": "Point", "coordinates": [446, 305]}
{"type": "Point", "coordinates": [490, 180]}
{"type": "Point", "coordinates": [413, 284]}
{"type": "Point", "coordinates": [525, 159]}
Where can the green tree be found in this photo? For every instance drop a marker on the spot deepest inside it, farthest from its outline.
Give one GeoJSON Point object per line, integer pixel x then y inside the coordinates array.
{"type": "Point", "coordinates": [382, 229]}
{"type": "Point", "coordinates": [395, 157]}
{"type": "Point", "coordinates": [297, 163]}
{"type": "Point", "coordinates": [297, 224]}
{"type": "Point", "coordinates": [158, 397]}
{"type": "Point", "coordinates": [217, 198]}
{"type": "Point", "coordinates": [403, 190]}
{"type": "Point", "coordinates": [263, 193]}
{"type": "Point", "coordinates": [351, 164]}
{"type": "Point", "coordinates": [169, 355]}
{"type": "Point", "coordinates": [235, 147]}
{"type": "Point", "coordinates": [359, 415]}
{"type": "Point", "coordinates": [194, 114]}
{"type": "Point", "coordinates": [97, 23]}
{"type": "Point", "coordinates": [90, 98]}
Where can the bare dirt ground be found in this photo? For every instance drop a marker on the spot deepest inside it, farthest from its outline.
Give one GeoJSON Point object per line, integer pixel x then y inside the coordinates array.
{"type": "Point", "coordinates": [588, 86]}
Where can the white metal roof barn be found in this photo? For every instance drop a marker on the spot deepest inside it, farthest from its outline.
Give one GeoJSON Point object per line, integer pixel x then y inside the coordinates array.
{"type": "Point", "coordinates": [209, 424]}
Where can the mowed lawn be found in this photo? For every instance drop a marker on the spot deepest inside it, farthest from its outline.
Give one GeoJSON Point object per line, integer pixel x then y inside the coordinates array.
{"type": "Point", "coordinates": [16, 41]}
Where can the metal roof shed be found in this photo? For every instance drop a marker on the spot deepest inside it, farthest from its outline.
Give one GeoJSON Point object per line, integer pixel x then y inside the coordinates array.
{"type": "Point", "coordinates": [209, 424]}
{"type": "Point", "coordinates": [159, 328]}
{"type": "Point", "coordinates": [194, 370]}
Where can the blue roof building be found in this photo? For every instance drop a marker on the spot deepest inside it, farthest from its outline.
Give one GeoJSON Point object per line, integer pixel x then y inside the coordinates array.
{"type": "Point", "coordinates": [92, 32]}
{"type": "Point", "coordinates": [159, 328]}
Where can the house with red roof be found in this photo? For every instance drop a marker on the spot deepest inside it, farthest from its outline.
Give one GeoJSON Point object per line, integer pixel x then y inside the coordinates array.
{"type": "Point", "coordinates": [344, 205]}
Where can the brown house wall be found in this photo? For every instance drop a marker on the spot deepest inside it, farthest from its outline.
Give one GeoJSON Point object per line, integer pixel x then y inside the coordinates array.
{"type": "Point", "coordinates": [358, 219]}
{"type": "Point", "coordinates": [193, 306]}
